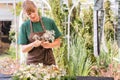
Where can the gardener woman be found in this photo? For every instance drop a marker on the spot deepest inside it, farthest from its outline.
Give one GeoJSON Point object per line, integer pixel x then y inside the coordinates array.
{"type": "Point", "coordinates": [38, 47]}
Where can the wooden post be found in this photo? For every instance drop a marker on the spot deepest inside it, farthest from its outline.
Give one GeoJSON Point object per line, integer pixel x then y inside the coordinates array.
{"type": "Point", "coordinates": [16, 29]}
{"type": "Point", "coordinates": [68, 36]}
{"type": "Point", "coordinates": [118, 27]}
{"type": "Point", "coordinates": [96, 38]}
{"type": "Point", "coordinates": [98, 5]}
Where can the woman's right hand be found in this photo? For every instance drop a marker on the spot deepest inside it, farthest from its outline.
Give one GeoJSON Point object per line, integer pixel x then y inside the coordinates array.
{"type": "Point", "coordinates": [28, 47]}
{"type": "Point", "coordinates": [36, 43]}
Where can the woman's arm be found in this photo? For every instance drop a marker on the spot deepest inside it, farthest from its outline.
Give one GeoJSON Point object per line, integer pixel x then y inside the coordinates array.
{"type": "Point", "coordinates": [28, 47]}
{"type": "Point", "coordinates": [54, 44]}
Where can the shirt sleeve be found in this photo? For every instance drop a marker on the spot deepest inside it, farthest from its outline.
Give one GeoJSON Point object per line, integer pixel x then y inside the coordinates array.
{"type": "Point", "coordinates": [22, 35]}
{"type": "Point", "coordinates": [57, 32]}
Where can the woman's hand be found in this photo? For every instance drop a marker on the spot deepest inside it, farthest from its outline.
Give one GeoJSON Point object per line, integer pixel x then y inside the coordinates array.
{"type": "Point", "coordinates": [28, 47]}
{"type": "Point", "coordinates": [46, 44]}
{"type": "Point", "coordinates": [36, 43]}
{"type": "Point", "coordinates": [54, 44]}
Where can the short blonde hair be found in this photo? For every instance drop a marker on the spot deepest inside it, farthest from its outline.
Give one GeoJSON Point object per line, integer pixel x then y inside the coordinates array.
{"type": "Point", "coordinates": [29, 6]}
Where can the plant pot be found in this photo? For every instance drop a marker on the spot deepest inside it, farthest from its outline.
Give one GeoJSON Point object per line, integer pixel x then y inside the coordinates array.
{"type": "Point", "coordinates": [5, 77]}
{"type": "Point", "coordinates": [93, 78]}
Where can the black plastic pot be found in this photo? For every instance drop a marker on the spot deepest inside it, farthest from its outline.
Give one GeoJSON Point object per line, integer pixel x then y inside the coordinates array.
{"type": "Point", "coordinates": [93, 78]}
{"type": "Point", "coordinates": [5, 77]}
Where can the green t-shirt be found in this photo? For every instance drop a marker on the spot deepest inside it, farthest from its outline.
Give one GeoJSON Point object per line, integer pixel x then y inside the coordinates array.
{"type": "Point", "coordinates": [24, 31]}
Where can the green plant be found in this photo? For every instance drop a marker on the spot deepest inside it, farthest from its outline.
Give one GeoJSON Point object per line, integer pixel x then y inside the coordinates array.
{"type": "Point", "coordinates": [109, 18]}
{"type": "Point", "coordinates": [79, 62]}
{"type": "Point", "coordinates": [57, 13]}
{"type": "Point", "coordinates": [11, 52]}
{"type": "Point", "coordinates": [12, 35]}
{"type": "Point", "coordinates": [18, 9]}
{"type": "Point", "coordinates": [86, 30]}
{"type": "Point", "coordinates": [105, 60]}
{"type": "Point", "coordinates": [60, 55]}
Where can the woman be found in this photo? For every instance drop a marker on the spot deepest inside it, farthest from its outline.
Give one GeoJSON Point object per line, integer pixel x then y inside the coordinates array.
{"type": "Point", "coordinates": [39, 50]}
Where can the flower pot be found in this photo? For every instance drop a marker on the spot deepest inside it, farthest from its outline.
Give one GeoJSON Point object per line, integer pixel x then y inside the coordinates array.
{"type": "Point", "coordinates": [5, 77]}
{"type": "Point", "coordinates": [93, 78]}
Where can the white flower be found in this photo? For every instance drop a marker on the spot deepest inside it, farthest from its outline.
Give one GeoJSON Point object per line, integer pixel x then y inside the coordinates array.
{"type": "Point", "coordinates": [49, 35]}
{"type": "Point", "coordinates": [36, 37]}
{"type": "Point", "coordinates": [47, 77]}
{"type": "Point", "coordinates": [39, 72]}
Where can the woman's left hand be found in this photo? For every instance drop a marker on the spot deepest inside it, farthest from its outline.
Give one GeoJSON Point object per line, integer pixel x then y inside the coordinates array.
{"type": "Point", "coordinates": [46, 44]}
{"type": "Point", "coordinates": [54, 44]}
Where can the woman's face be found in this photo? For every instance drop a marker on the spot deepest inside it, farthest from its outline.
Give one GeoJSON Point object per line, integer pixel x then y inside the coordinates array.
{"type": "Point", "coordinates": [34, 17]}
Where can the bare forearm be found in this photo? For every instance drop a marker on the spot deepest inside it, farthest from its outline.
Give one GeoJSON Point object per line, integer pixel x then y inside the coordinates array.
{"type": "Point", "coordinates": [56, 43]}
{"type": "Point", "coordinates": [27, 48]}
